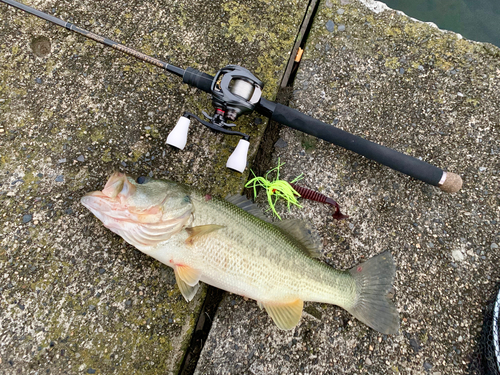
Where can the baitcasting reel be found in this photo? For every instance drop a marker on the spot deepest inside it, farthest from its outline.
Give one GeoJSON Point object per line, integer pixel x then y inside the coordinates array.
{"type": "Point", "coordinates": [235, 91]}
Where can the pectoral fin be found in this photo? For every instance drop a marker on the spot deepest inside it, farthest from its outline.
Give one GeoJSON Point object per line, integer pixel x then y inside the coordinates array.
{"type": "Point", "coordinates": [286, 316]}
{"type": "Point", "coordinates": [200, 230]}
{"type": "Point", "coordinates": [188, 291]}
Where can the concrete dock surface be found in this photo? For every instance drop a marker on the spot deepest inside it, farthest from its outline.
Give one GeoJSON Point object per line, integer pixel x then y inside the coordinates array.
{"type": "Point", "coordinates": [75, 298]}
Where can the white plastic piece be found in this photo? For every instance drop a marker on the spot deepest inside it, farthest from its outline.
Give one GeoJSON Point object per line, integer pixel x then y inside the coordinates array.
{"type": "Point", "coordinates": [238, 159]}
{"type": "Point", "coordinates": [178, 135]}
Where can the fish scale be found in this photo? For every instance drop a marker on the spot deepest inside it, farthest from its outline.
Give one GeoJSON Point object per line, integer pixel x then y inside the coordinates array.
{"type": "Point", "coordinates": [211, 240]}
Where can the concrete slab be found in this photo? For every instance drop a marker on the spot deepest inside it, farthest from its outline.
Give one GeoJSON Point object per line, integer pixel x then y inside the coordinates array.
{"type": "Point", "coordinates": [421, 91]}
{"type": "Point", "coordinates": [74, 297]}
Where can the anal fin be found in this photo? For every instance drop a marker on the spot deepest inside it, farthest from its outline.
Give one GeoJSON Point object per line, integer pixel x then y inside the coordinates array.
{"type": "Point", "coordinates": [285, 315]}
{"type": "Point", "coordinates": [188, 291]}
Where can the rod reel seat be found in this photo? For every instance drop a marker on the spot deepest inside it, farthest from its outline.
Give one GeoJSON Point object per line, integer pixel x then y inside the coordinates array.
{"type": "Point", "coordinates": [235, 91]}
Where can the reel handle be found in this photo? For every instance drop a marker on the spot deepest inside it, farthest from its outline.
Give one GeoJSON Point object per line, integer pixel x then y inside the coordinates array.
{"type": "Point", "coordinates": [178, 138]}
{"type": "Point", "coordinates": [446, 181]}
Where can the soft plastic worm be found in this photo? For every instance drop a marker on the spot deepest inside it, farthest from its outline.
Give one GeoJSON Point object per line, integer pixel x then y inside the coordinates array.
{"type": "Point", "coordinates": [316, 196]}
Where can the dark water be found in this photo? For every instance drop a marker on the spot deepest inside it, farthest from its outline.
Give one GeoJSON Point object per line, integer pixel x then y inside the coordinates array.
{"type": "Point", "coordinates": [475, 19]}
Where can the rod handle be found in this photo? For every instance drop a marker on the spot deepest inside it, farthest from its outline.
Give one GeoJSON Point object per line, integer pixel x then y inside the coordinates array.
{"type": "Point", "coordinates": [396, 160]}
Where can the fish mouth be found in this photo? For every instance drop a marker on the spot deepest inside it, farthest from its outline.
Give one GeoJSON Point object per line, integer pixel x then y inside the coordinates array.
{"type": "Point", "coordinates": [106, 209]}
{"type": "Point", "coordinates": [110, 204]}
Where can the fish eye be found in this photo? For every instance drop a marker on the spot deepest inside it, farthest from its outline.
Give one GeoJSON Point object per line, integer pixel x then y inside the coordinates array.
{"type": "Point", "coordinates": [142, 180]}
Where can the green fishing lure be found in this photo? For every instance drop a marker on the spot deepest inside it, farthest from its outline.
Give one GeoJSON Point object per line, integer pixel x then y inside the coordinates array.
{"type": "Point", "coordinates": [276, 189]}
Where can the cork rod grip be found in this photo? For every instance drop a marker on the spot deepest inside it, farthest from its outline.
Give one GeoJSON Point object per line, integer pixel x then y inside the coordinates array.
{"type": "Point", "coordinates": [452, 183]}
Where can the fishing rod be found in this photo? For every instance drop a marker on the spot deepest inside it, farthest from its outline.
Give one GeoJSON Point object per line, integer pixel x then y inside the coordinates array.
{"type": "Point", "coordinates": [236, 91]}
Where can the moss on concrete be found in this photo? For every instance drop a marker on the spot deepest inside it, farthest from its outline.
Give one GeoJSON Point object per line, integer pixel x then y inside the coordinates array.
{"type": "Point", "coordinates": [76, 297]}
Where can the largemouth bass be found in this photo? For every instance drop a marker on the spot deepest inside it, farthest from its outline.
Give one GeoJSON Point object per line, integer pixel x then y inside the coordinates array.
{"type": "Point", "coordinates": [226, 244]}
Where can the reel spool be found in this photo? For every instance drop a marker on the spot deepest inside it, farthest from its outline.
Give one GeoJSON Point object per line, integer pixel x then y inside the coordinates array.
{"type": "Point", "coordinates": [235, 91]}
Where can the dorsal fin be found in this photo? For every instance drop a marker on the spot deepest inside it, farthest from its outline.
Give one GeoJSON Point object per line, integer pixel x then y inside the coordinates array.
{"type": "Point", "coordinates": [247, 205]}
{"type": "Point", "coordinates": [305, 234]}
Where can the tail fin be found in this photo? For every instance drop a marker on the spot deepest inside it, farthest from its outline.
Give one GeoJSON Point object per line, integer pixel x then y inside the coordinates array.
{"type": "Point", "coordinates": [373, 281]}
